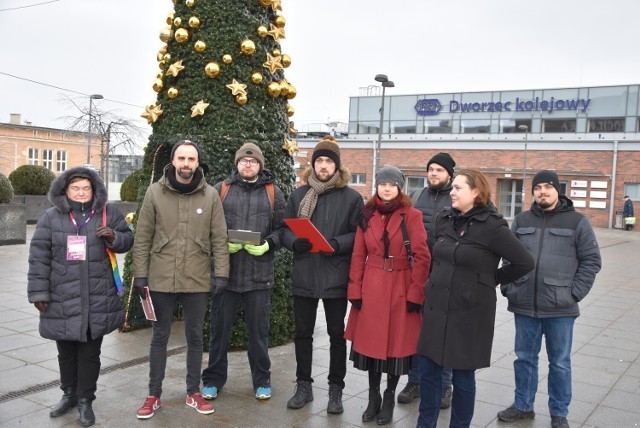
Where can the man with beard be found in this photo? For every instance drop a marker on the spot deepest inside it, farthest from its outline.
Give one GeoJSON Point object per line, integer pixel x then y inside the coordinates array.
{"type": "Point", "coordinates": [247, 197]}
{"type": "Point", "coordinates": [180, 227]}
{"type": "Point", "coordinates": [432, 200]}
{"type": "Point", "coordinates": [334, 209]}
{"type": "Point", "coordinates": [545, 302]}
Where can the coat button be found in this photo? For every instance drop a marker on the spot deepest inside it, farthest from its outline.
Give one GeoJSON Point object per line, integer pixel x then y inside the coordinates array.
{"type": "Point", "coordinates": [457, 243]}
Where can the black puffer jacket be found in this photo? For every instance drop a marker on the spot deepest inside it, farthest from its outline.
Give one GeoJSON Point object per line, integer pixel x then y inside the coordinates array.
{"type": "Point", "coordinates": [247, 207]}
{"type": "Point", "coordinates": [82, 295]}
{"type": "Point", "coordinates": [431, 203]}
{"type": "Point", "coordinates": [320, 275]}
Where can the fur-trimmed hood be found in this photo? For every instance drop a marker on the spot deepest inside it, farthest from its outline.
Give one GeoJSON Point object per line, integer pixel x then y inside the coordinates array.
{"type": "Point", "coordinates": [58, 190]}
{"type": "Point", "coordinates": [345, 176]}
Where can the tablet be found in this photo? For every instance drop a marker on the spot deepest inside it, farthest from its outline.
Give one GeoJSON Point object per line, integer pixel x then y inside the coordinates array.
{"type": "Point", "coordinates": [244, 237]}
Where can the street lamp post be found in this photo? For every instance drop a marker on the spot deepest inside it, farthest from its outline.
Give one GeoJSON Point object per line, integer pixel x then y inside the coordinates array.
{"type": "Point", "coordinates": [386, 83]}
{"type": "Point", "coordinates": [91, 98]}
{"type": "Point", "coordinates": [524, 128]}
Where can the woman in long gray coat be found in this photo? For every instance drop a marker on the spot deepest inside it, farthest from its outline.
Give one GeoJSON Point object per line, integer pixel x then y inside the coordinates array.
{"type": "Point", "coordinates": [71, 281]}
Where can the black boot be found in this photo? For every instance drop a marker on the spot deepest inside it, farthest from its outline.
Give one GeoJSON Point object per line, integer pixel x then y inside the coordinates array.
{"type": "Point", "coordinates": [302, 396]}
{"type": "Point", "coordinates": [87, 417]}
{"type": "Point", "coordinates": [334, 407]}
{"type": "Point", "coordinates": [386, 412]}
{"type": "Point", "coordinates": [375, 399]}
{"type": "Point", "coordinates": [67, 401]}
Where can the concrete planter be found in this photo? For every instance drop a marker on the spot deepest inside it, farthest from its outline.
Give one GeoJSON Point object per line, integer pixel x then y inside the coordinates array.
{"type": "Point", "coordinates": [35, 206]}
{"type": "Point", "coordinates": [13, 224]}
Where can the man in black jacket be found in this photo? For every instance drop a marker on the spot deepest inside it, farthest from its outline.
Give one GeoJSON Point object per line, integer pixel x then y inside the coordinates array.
{"type": "Point", "coordinates": [545, 302]}
{"type": "Point", "coordinates": [334, 209]}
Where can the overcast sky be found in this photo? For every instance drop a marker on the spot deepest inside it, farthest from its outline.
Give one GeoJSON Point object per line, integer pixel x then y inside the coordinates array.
{"type": "Point", "coordinates": [109, 47]}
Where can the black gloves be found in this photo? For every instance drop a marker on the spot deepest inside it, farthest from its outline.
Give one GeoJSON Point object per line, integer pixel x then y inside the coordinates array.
{"type": "Point", "coordinates": [413, 307]}
{"type": "Point", "coordinates": [107, 233]}
{"type": "Point", "coordinates": [356, 303]}
{"type": "Point", "coordinates": [302, 245]}
{"type": "Point", "coordinates": [139, 284]}
{"type": "Point", "coordinates": [219, 284]}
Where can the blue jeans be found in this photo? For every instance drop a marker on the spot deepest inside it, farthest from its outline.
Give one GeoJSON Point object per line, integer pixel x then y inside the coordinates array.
{"type": "Point", "coordinates": [463, 399]}
{"type": "Point", "coordinates": [414, 374]}
{"type": "Point", "coordinates": [257, 311]}
{"type": "Point", "coordinates": [558, 333]}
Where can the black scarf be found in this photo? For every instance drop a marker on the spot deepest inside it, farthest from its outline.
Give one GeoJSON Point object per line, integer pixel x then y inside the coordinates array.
{"type": "Point", "coordinates": [182, 187]}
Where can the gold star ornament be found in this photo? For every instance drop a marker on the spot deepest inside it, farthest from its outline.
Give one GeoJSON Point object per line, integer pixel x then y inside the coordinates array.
{"type": "Point", "coordinates": [175, 68]}
{"type": "Point", "coordinates": [290, 146]}
{"type": "Point", "coordinates": [276, 5]}
{"type": "Point", "coordinates": [198, 108]}
{"type": "Point", "coordinates": [276, 32]}
{"type": "Point", "coordinates": [273, 63]}
{"type": "Point", "coordinates": [237, 88]}
{"type": "Point", "coordinates": [152, 112]}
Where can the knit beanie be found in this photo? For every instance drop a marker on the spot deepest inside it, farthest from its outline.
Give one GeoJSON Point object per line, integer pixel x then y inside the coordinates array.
{"type": "Point", "coordinates": [328, 147]}
{"type": "Point", "coordinates": [190, 143]}
{"type": "Point", "coordinates": [250, 150]}
{"type": "Point", "coordinates": [546, 176]}
{"type": "Point", "coordinates": [390, 174]}
{"type": "Point", "coordinates": [444, 160]}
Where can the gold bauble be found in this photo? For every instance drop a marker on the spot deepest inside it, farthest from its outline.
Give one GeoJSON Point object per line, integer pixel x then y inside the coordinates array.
{"type": "Point", "coordinates": [160, 74]}
{"type": "Point", "coordinates": [166, 34]}
{"type": "Point", "coordinates": [290, 110]}
{"type": "Point", "coordinates": [190, 3]}
{"type": "Point", "coordinates": [280, 21]}
{"type": "Point", "coordinates": [256, 78]}
{"type": "Point", "coordinates": [247, 47]}
{"type": "Point", "coordinates": [163, 50]}
{"type": "Point", "coordinates": [276, 52]}
{"type": "Point", "coordinates": [212, 69]}
{"type": "Point", "coordinates": [241, 99]}
{"type": "Point", "coordinates": [286, 60]}
{"type": "Point", "coordinates": [292, 92]}
{"type": "Point", "coordinates": [173, 92]}
{"type": "Point", "coordinates": [161, 65]}
{"type": "Point", "coordinates": [158, 85]}
{"type": "Point", "coordinates": [177, 21]}
{"type": "Point", "coordinates": [284, 88]}
{"type": "Point", "coordinates": [167, 57]}
{"type": "Point", "coordinates": [181, 35]}
{"type": "Point", "coordinates": [264, 3]}
{"type": "Point", "coordinates": [170, 18]}
{"type": "Point", "coordinates": [194, 22]}
{"type": "Point", "coordinates": [200, 46]}
{"type": "Point", "coordinates": [160, 56]}
{"type": "Point", "coordinates": [227, 59]}
{"type": "Point", "coordinates": [273, 89]}
{"type": "Point", "coordinates": [262, 31]}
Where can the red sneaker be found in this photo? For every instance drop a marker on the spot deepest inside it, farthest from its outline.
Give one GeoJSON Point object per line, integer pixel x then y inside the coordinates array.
{"type": "Point", "coordinates": [148, 409]}
{"type": "Point", "coordinates": [198, 402]}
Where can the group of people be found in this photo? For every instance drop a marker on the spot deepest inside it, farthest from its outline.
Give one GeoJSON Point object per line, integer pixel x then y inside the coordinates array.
{"type": "Point", "coordinates": [420, 274]}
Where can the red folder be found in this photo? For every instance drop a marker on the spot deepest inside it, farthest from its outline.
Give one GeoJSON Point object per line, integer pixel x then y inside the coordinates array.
{"type": "Point", "coordinates": [303, 228]}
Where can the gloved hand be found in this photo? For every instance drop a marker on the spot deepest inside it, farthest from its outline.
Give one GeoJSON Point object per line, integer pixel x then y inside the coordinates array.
{"type": "Point", "coordinates": [139, 284]}
{"type": "Point", "coordinates": [334, 244]}
{"type": "Point", "coordinates": [220, 284]}
{"type": "Point", "coordinates": [107, 233]}
{"type": "Point", "coordinates": [413, 307]}
{"type": "Point", "coordinates": [302, 245]}
{"type": "Point", "coordinates": [356, 303]}
{"type": "Point", "coordinates": [233, 247]}
{"type": "Point", "coordinates": [41, 306]}
{"type": "Point", "coordinates": [257, 250]}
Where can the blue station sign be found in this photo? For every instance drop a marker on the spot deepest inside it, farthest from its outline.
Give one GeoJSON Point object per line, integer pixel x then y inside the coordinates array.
{"type": "Point", "coordinates": [432, 106]}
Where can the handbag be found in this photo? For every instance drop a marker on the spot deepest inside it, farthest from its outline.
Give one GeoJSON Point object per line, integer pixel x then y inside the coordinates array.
{"type": "Point", "coordinates": [112, 258]}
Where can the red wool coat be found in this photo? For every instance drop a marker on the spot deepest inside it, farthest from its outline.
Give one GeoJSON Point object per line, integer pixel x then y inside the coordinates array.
{"type": "Point", "coordinates": [384, 328]}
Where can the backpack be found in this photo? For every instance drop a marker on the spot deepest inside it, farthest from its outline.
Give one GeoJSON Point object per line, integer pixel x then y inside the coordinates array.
{"type": "Point", "coordinates": [269, 187]}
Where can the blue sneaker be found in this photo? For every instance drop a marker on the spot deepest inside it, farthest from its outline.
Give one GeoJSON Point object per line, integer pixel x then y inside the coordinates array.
{"type": "Point", "coordinates": [210, 392]}
{"type": "Point", "coordinates": [263, 393]}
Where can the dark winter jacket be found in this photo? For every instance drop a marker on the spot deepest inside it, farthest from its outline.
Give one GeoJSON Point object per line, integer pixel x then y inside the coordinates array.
{"type": "Point", "coordinates": [567, 261]}
{"type": "Point", "coordinates": [247, 207]}
{"type": "Point", "coordinates": [82, 295]}
{"type": "Point", "coordinates": [431, 203]}
{"type": "Point", "coordinates": [627, 210]}
{"type": "Point", "coordinates": [322, 275]}
{"type": "Point", "coordinates": [460, 297]}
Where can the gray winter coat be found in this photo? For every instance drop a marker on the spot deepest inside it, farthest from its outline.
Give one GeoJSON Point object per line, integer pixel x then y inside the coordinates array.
{"type": "Point", "coordinates": [247, 207]}
{"type": "Point", "coordinates": [81, 294]}
{"type": "Point", "coordinates": [567, 261]}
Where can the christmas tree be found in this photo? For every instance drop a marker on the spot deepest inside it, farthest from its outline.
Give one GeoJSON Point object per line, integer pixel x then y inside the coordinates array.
{"type": "Point", "coordinates": [221, 84]}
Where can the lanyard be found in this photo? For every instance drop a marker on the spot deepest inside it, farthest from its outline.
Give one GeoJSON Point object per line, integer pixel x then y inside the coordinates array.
{"type": "Point", "coordinates": [75, 224]}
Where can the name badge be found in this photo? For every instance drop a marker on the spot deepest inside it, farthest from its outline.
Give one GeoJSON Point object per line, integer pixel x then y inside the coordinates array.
{"type": "Point", "coordinates": [76, 247]}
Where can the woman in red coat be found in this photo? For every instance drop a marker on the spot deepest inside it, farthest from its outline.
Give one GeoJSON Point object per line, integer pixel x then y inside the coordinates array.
{"type": "Point", "coordinates": [386, 290]}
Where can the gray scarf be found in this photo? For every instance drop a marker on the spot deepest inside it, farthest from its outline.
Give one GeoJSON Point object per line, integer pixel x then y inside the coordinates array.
{"type": "Point", "coordinates": [316, 188]}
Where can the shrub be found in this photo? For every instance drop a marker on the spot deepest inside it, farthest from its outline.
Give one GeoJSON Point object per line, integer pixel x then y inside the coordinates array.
{"type": "Point", "coordinates": [6, 190]}
{"type": "Point", "coordinates": [31, 180]}
{"type": "Point", "coordinates": [129, 188]}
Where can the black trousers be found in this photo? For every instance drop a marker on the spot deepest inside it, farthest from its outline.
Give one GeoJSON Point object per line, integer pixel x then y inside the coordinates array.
{"type": "Point", "coordinates": [305, 310]}
{"type": "Point", "coordinates": [79, 366]}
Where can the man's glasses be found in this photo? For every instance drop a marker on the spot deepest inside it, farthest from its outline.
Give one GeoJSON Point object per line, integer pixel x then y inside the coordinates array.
{"type": "Point", "coordinates": [252, 162]}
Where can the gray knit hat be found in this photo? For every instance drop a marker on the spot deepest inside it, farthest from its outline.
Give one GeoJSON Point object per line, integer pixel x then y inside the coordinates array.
{"type": "Point", "coordinates": [390, 174]}
{"type": "Point", "coordinates": [250, 150]}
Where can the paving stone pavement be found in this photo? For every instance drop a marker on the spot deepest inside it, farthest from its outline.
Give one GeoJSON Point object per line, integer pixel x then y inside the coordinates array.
{"type": "Point", "coordinates": [606, 368]}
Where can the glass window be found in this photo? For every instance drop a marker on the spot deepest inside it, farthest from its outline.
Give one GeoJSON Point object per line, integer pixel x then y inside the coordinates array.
{"type": "Point", "coordinates": [369, 108]}
{"type": "Point", "coordinates": [415, 183]}
{"type": "Point", "coordinates": [560, 125]}
{"type": "Point", "coordinates": [403, 127]}
{"type": "Point", "coordinates": [358, 179]}
{"type": "Point", "coordinates": [475, 126]}
{"type": "Point", "coordinates": [609, 124]}
{"type": "Point", "coordinates": [402, 107]}
{"type": "Point", "coordinates": [513, 125]}
{"type": "Point", "coordinates": [34, 156]}
{"type": "Point", "coordinates": [47, 159]}
{"type": "Point", "coordinates": [368, 127]}
{"type": "Point", "coordinates": [437, 127]}
{"type": "Point", "coordinates": [632, 190]}
{"type": "Point", "coordinates": [61, 160]}
{"type": "Point", "coordinates": [610, 100]}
